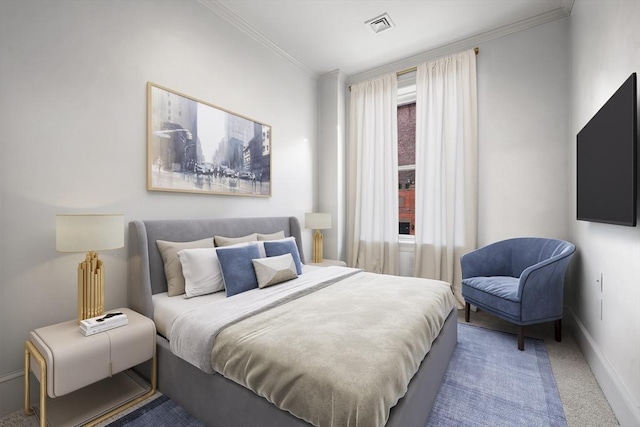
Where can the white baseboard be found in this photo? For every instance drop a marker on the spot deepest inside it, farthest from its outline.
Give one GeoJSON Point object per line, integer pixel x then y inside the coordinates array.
{"type": "Point", "coordinates": [620, 400]}
{"type": "Point", "coordinates": [11, 392]}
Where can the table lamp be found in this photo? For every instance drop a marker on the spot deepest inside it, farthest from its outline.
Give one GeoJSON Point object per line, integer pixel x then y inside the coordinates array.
{"type": "Point", "coordinates": [317, 221]}
{"type": "Point", "coordinates": [89, 233]}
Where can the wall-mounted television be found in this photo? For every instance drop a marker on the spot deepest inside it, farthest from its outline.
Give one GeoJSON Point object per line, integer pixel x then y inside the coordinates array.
{"type": "Point", "coordinates": [607, 160]}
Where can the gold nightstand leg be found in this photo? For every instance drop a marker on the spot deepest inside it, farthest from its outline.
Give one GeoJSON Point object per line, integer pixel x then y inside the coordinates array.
{"type": "Point", "coordinates": [31, 350]}
{"type": "Point", "coordinates": [27, 371]}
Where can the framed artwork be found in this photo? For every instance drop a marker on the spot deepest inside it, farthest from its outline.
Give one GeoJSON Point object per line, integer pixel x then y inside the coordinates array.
{"type": "Point", "coordinates": [197, 147]}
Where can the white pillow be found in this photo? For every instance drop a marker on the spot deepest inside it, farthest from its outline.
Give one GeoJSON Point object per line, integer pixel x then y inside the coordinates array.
{"type": "Point", "coordinates": [201, 270]}
{"type": "Point", "coordinates": [274, 270]}
{"type": "Point", "coordinates": [172, 266]}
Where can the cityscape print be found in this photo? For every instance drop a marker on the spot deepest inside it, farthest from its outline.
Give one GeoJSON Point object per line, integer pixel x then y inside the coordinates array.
{"type": "Point", "coordinates": [197, 147]}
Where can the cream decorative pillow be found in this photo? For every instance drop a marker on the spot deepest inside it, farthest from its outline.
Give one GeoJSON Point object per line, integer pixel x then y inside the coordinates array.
{"type": "Point", "coordinates": [273, 236]}
{"type": "Point", "coordinates": [228, 241]}
{"type": "Point", "coordinates": [172, 266]}
{"type": "Point", "coordinates": [201, 270]}
{"type": "Point", "coordinates": [273, 270]}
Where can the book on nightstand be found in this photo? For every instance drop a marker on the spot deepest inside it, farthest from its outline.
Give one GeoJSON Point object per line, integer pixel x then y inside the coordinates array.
{"type": "Point", "coordinates": [103, 323]}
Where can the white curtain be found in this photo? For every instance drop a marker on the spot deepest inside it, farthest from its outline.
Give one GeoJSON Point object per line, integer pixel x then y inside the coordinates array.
{"type": "Point", "coordinates": [446, 167]}
{"type": "Point", "coordinates": [372, 188]}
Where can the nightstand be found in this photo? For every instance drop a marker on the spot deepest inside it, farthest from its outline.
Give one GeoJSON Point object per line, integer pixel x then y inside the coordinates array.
{"type": "Point", "coordinates": [328, 262]}
{"type": "Point", "coordinates": [69, 361]}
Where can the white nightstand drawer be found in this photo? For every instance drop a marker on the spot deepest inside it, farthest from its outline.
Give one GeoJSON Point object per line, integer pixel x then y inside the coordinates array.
{"type": "Point", "coordinates": [71, 364]}
{"type": "Point", "coordinates": [132, 344]}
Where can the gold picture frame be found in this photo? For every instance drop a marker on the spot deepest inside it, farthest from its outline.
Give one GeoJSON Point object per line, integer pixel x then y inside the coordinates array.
{"type": "Point", "coordinates": [196, 147]}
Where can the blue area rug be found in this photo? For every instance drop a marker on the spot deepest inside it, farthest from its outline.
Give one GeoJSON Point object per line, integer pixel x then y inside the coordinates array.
{"type": "Point", "coordinates": [161, 411]}
{"type": "Point", "coordinates": [489, 383]}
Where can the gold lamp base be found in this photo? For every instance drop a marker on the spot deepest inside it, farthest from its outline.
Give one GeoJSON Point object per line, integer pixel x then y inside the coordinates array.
{"type": "Point", "coordinates": [90, 287]}
{"type": "Point", "coordinates": [318, 241]}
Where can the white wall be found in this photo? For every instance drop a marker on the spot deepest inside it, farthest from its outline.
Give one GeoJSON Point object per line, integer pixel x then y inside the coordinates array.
{"type": "Point", "coordinates": [73, 120]}
{"type": "Point", "coordinates": [523, 119]}
{"type": "Point", "coordinates": [605, 40]}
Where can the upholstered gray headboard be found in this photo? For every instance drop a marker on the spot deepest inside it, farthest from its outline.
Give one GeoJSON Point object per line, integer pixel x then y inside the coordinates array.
{"type": "Point", "coordinates": [146, 269]}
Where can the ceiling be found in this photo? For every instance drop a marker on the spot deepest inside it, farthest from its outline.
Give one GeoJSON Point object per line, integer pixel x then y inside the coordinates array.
{"type": "Point", "coordinates": [320, 36]}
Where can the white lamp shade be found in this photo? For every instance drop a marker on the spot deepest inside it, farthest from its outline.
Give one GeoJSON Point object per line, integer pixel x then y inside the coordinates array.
{"type": "Point", "coordinates": [85, 233]}
{"type": "Point", "coordinates": [317, 221]}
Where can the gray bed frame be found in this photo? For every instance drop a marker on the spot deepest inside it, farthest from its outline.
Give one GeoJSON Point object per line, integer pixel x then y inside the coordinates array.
{"type": "Point", "coordinates": [215, 400]}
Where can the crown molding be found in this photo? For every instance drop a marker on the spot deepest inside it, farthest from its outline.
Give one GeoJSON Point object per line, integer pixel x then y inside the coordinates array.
{"type": "Point", "coordinates": [567, 6]}
{"type": "Point", "coordinates": [337, 74]}
{"type": "Point", "coordinates": [228, 15]}
{"type": "Point", "coordinates": [468, 43]}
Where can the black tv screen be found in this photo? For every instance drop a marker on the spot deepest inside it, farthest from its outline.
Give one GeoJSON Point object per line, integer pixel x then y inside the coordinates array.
{"type": "Point", "coordinates": [607, 161]}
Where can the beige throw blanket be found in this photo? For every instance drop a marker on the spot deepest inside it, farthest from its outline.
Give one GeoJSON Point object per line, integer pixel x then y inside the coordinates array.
{"type": "Point", "coordinates": [194, 332]}
{"type": "Point", "coordinates": [342, 355]}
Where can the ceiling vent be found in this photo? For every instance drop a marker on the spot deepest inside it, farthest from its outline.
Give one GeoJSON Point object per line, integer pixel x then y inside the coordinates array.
{"type": "Point", "coordinates": [380, 23]}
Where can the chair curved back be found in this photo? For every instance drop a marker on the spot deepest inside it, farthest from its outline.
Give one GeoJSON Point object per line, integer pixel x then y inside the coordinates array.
{"type": "Point", "coordinates": [512, 256]}
{"type": "Point", "coordinates": [528, 251]}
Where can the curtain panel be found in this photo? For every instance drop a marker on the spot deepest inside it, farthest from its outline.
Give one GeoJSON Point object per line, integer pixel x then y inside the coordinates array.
{"type": "Point", "coordinates": [446, 167]}
{"type": "Point", "coordinates": [372, 185]}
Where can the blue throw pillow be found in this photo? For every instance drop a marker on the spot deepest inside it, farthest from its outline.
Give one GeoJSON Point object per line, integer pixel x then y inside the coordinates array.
{"type": "Point", "coordinates": [236, 264]}
{"type": "Point", "coordinates": [284, 246]}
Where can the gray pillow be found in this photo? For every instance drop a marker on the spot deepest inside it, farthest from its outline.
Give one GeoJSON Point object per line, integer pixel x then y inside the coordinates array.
{"type": "Point", "coordinates": [274, 270]}
{"type": "Point", "coordinates": [273, 236]}
{"type": "Point", "coordinates": [172, 266]}
{"type": "Point", "coordinates": [228, 241]}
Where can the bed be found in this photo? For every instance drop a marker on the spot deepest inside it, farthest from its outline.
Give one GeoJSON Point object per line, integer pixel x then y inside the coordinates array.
{"type": "Point", "coordinates": [218, 401]}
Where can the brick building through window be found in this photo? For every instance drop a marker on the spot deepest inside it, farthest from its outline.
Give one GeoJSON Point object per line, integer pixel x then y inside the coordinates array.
{"type": "Point", "coordinates": [407, 167]}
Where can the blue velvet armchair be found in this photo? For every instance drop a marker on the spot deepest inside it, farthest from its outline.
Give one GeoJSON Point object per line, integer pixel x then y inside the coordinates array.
{"type": "Point", "coordinates": [520, 280]}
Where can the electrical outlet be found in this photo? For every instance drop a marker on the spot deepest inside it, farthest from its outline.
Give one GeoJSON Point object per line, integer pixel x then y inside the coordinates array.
{"type": "Point", "coordinates": [599, 282]}
{"type": "Point", "coordinates": [601, 307]}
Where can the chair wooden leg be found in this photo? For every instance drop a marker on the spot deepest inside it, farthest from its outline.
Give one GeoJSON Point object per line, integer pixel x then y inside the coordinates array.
{"type": "Point", "coordinates": [467, 309]}
{"type": "Point", "coordinates": [558, 329]}
{"type": "Point", "coordinates": [520, 338]}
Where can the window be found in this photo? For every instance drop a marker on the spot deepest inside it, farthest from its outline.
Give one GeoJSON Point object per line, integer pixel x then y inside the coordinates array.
{"type": "Point", "coordinates": [406, 158]}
